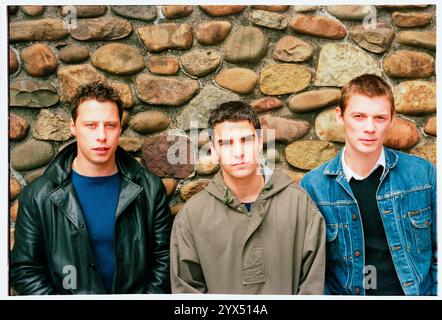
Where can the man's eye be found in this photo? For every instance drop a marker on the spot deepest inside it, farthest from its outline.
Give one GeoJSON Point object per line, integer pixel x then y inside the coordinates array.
{"type": "Point", "coordinates": [224, 143]}
{"type": "Point", "coordinates": [90, 125]}
{"type": "Point", "coordinates": [248, 139]}
{"type": "Point", "coordinates": [357, 116]}
{"type": "Point", "coordinates": [111, 125]}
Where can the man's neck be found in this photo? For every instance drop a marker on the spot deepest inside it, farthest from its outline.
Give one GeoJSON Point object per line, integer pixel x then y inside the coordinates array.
{"type": "Point", "coordinates": [361, 163]}
{"type": "Point", "coordinates": [88, 169]}
{"type": "Point", "coordinates": [245, 189]}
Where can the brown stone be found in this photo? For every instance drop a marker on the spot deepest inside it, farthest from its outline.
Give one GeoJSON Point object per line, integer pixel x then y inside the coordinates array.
{"type": "Point", "coordinates": [200, 63]}
{"type": "Point", "coordinates": [218, 11]}
{"type": "Point", "coordinates": [33, 11]}
{"type": "Point", "coordinates": [15, 188]}
{"type": "Point", "coordinates": [318, 26]}
{"type": "Point", "coordinates": [119, 59]}
{"type": "Point", "coordinates": [170, 185]}
{"type": "Point", "coordinates": [31, 154]}
{"type": "Point", "coordinates": [169, 156]}
{"type": "Point", "coordinates": [175, 209]}
{"type": "Point", "coordinates": [39, 60]}
{"type": "Point", "coordinates": [73, 54]}
{"type": "Point", "coordinates": [157, 38]}
{"type": "Point", "coordinates": [164, 90]}
{"type": "Point", "coordinates": [13, 210]}
{"type": "Point", "coordinates": [427, 152]}
{"type": "Point", "coordinates": [32, 94]}
{"type": "Point", "coordinates": [266, 104]}
{"type": "Point", "coordinates": [327, 128]}
{"type": "Point", "coordinates": [149, 122]}
{"type": "Point", "coordinates": [313, 100]}
{"type": "Point", "coordinates": [376, 39]}
{"type": "Point", "coordinates": [213, 32]}
{"type": "Point", "coordinates": [420, 39]}
{"type": "Point", "coordinates": [164, 65]}
{"type": "Point", "coordinates": [300, 8]}
{"type": "Point", "coordinates": [83, 11]}
{"type": "Point", "coordinates": [308, 155]}
{"type": "Point", "coordinates": [400, 6]}
{"type": "Point", "coordinates": [203, 138]}
{"type": "Point", "coordinates": [138, 12]}
{"type": "Point", "coordinates": [268, 19]}
{"type": "Point", "coordinates": [411, 19]}
{"type": "Point", "coordinates": [271, 8]}
{"type": "Point", "coordinates": [37, 30]}
{"type": "Point", "coordinates": [430, 126]}
{"type": "Point", "coordinates": [409, 64]}
{"type": "Point", "coordinates": [31, 176]}
{"type": "Point", "coordinates": [176, 12]}
{"type": "Point", "coordinates": [349, 12]}
{"type": "Point", "coordinates": [239, 80]}
{"type": "Point", "coordinates": [192, 188]}
{"type": "Point", "coordinates": [277, 79]}
{"type": "Point", "coordinates": [205, 166]}
{"type": "Point", "coordinates": [72, 77]}
{"type": "Point", "coordinates": [415, 97]}
{"type": "Point", "coordinates": [52, 126]}
{"type": "Point", "coordinates": [247, 44]}
{"type": "Point", "coordinates": [282, 129]}
{"type": "Point", "coordinates": [101, 29]}
{"type": "Point", "coordinates": [130, 143]}
{"type": "Point", "coordinates": [125, 94]}
{"type": "Point", "coordinates": [125, 119]}
{"type": "Point", "coordinates": [18, 127]}
{"type": "Point", "coordinates": [292, 49]}
{"type": "Point", "coordinates": [402, 135]}
{"type": "Point", "coordinates": [13, 61]}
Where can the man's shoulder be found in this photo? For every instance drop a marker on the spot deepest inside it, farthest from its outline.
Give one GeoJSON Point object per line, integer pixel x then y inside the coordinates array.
{"type": "Point", "coordinates": [407, 159]}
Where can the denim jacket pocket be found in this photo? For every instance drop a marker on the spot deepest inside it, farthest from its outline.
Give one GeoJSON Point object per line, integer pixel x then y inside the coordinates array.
{"type": "Point", "coordinates": [421, 222]}
{"type": "Point", "coordinates": [332, 243]}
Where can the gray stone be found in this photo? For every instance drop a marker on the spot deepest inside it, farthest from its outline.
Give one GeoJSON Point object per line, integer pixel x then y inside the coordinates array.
{"type": "Point", "coordinates": [130, 143]}
{"type": "Point", "coordinates": [282, 129]}
{"type": "Point", "coordinates": [409, 64]}
{"type": "Point", "coordinates": [33, 94]}
{"type": "Point", "coordinates": [283, 78]}
{"type": "Point", "coordinates": [420, 39]}
{"type": "Point", "coordinates": [52, 126]}
{"type": "Point", "coordinates": [169, 156]}
{"type": "Point", "coordinates": [73, 54]}
{"type": "Point", "coordinates": [157, 38]}
{"type": "Point", "coordinates": [341, 62]}
{"type": "Point", "coordinates": [308, 155]}
{"type": "Point", "coordinates": [37, 30]}
{"type": "Point", "coordinates": [212, 32]}
{"type": "Point", "coordinates": [247, 44]}
{"type": "Point", "coordinates": [31, 155]}
{"type": "Point", "coordinates": [292, 49]}
{"type": "Point", "coordinates": [415, 97]}
{"type": "Point", "coordinates": [72, 77]}
{"type": "Point", "coordinates": [138, 12]}
{"type": "Point", "coordinates": [101, 29]}
{"type": "Point", "coordinates": [149, 122]}
{"type": "Point", "coordinates": [327, 128]}
{"type": "Point", "coordinates": [269, 19]}
{"type": "Point", "coordinates": [200, 63]}
{"type": "Point", "coordinates": [164, 90]}
{"type": "Point", "coordinates": [198, 109]}
{"type": "Point", "coordinates": [313, 100]}
{"type": "Point", "coordinates": [377, 39]}
{"type": "Point", "coordinates": [118, 58]}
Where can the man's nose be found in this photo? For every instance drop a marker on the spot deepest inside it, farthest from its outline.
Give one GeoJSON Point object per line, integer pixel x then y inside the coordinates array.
{"type": "Point", "coordinates": [369, 125]}
{"type": "Point", "coordinates": [101, 135]}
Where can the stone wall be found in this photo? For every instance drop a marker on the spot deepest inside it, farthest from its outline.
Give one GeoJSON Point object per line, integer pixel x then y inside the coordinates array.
{"type": "Point", "coordinates": [173, 64]}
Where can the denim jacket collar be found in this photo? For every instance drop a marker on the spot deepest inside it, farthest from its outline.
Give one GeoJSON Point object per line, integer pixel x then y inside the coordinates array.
{"type": "Point", "coordinates": [334, 167]}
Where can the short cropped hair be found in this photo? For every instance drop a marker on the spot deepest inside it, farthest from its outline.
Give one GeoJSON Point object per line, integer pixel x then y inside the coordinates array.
{"type": "Point", "coordinates": [99, 91]}
{"type": "Point", "coordinates": [368, 85]}
{"type": "Point", "coordinates": [233, 111]}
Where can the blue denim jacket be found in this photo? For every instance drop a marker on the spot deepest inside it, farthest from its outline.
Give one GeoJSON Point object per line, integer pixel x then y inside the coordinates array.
{"type": "Point", "coordinates": [406, 199]}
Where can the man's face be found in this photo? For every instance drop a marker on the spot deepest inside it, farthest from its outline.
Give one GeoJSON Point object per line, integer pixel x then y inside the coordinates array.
{"type": "Point", "coordinates": [366, 123]}
{"type": "Point", "coordinates": [97, 129]}
{"type": "Point", "coordinates": [237, 147]}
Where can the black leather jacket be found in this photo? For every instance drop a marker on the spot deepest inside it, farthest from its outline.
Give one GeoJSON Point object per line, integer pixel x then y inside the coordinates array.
{"type": "Point", "coordinates": [52, 253]}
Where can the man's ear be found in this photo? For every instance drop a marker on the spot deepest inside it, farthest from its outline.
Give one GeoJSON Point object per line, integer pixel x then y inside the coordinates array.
{"type": "Point", "coordinates": [73, 128]}
{"type": "Point", "coordinates": [339, 116]}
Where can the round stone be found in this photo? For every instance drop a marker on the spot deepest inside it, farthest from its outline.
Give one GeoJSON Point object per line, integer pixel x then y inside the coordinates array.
{"type": "Point", "coordinates": [176, 12]}
{"type": "Point", "coordinates": [15, 188]}
{"type": "Point", "coordinates": [376, 39]}
{"type": "Point", "coordinates": [411, 19]}
{"type": "Point", "coordinates": [31, 154]}
{"type": "Point", "coordinates": [157, 38]}
{"type": "Point", "coordinates": [409, 64]}
{"type": "Point", "coordinates": [18, 127]}
{"type": "Point", "coordinates": [13, 61]}
{"type": "Point", "coordinates": [282, 129]}
{"type": "Point", "coordinates": [164, 65]}
{"type": "Point", "coordinates": [292, 49]}
{"type": "Point", "coordinates": [239, 80]}
{"type": "Point", "coordinates": [100, 29]}
{"type": "Point", "coordinates": [33, 11]}
{"type": "Point", "coordinates": [277, 79]}
{"type": "Point", "coordinates": [313, 100]}
{"type": "Point", "coordinates": [318, 26]}
{"type": "Point", "coordinates": [138, 12]}
{"type": "Point", "coordinates": [427, 152]}
{"type": "Point", "coordinates": [118, 58]}
{"type": "Point", "coordinates": [200, 63]}
{"type": "Point", "coordinates": [192, 188]}
{"type": "Point", "coordinates": [415, 97]}
{"type": "Point", "coordinates": [73, 54]}
{"type": "Point", "coordinates": [247, 44]}
{"type": "Point", "coordinates": [213, 32]}
{"type": "Point", "coordinates": [266, 104]}
{"type": "Point", "coordinates": [419, 39]}
{"type": "Point", "coordinates": [218, 11]}
{"type": "Point", "coordinates": [39, 60]}
{"type": "Point", "coordinates": [37, 30]}
{"type": "Point", "coordinates": [430, 126]}
{"type": "Point", "coordinates": [32, 94]}
{"type": "Point", "coordinates": [149, 122]}
{"type": "Point", "coordinates": [170, 185]}
{"type": "Point", "coordinates": [402, 135]}
{"type": "Point", "coordinates": [130, 143]}
{"type": "Point", "coordinates": [308, 155]}
{"type": "Point", "coordinates": [269, 19]}
{"type": "Point", "coordinates": [327, 128]}
{"type": "Point", "coordinates": [349, 12]}
{"type": "Point", "coordinates": [205, 166]}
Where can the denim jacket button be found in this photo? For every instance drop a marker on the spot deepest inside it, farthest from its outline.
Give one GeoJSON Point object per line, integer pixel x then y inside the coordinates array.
{"type": "Point", "coordinates": [357, 253]}
{"type": "Point", "coordinates": [357, 290]}
{"type": "Point", "coordinates": [354, 217]}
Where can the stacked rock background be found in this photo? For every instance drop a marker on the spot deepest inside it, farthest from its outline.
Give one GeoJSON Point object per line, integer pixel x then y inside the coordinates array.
{"type": "Point", "coordinates": [173, 64]}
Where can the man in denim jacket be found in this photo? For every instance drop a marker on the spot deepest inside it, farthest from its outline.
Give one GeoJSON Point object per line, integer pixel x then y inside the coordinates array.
{"type": "Point", "coordinates": [379, 204]}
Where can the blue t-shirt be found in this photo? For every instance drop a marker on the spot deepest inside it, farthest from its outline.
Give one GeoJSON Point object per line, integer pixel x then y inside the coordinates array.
{"type": "Point", "coordinates": [98, 197]}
